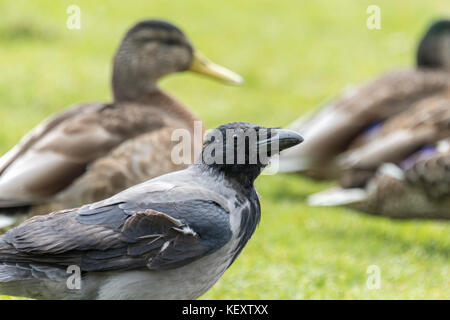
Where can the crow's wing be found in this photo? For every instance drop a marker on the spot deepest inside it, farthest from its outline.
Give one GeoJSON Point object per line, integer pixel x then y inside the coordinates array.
{"type": "Point", "coordinates": [125, 235]}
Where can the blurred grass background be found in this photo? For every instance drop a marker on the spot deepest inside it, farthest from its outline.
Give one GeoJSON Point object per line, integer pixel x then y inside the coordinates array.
{"type": "Point", "coordinates": [293, 55]}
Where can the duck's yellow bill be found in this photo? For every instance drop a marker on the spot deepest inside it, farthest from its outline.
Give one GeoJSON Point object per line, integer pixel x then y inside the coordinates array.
{"type": "Point", "coordinates": [204, 66]}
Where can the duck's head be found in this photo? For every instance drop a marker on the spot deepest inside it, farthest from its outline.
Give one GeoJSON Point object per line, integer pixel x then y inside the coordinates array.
{"type": "Point", "coordinates": [434, 48]}
{"type": "Point", "coordinates": [243, 149]}
{"type": "Point", "coordinates": [154, 48]}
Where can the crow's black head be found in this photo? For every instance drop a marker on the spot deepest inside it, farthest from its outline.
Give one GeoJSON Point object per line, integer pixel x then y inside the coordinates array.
{"type": "Point", "coordinates": [243, 149]}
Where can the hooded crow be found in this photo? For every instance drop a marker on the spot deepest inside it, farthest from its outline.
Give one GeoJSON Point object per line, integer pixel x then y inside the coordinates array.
{"type": "Point", "coordinates": [171, 237]}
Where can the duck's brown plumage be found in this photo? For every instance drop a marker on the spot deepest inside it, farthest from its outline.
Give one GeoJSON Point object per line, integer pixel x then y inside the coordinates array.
{"type": "Point", "coordinates": [425, 123]}
{"type": "Point", "coordinates": [402, 170]}
{"type": "Point", "coordinates": [421, 191]}
{"type": "Point", "coordinates": [333, 129]}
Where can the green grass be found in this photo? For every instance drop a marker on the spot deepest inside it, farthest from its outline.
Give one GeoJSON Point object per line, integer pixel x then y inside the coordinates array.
{"type": "Point", "coordinates": [293, 55]}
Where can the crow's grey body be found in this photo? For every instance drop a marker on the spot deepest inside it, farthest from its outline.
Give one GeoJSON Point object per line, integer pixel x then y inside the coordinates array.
{"type": "Point", "coordinates": [188, 282]}
{"type": "Point", "coordinates": [169, 238]}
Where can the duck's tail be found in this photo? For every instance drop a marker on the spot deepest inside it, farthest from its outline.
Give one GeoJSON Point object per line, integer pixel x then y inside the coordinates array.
{"type": "Point", "coordinates": [340, 196]}
{"type": "Point", "coordinates": [337, 197]}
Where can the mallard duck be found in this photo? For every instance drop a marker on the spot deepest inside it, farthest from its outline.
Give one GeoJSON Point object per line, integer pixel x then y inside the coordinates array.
{"type": "Point", "coordinates": [417, 189]}
{"type": "Point", "coordinates": [91, 151]}
{"type": "Point", "coordinates": [331, 130]}
{"type": "Point", "coordinates": [380, 165]}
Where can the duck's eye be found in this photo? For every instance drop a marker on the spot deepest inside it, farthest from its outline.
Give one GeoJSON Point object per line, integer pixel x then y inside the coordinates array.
{"type": "Point", "coordinates": [171, 42]}
{"type": "Point", "coordinates": [144, 39]}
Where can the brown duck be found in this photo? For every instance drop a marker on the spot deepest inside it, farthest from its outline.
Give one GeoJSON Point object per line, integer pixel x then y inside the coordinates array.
{"type": "Point", "coordinates": [400, 170]}
{"type": "Point", "coordinates": [92, 151]}
{"type": "Point", "coordinates": [417, 189]}
{"type": "Point", "coordinates": [333, 129]}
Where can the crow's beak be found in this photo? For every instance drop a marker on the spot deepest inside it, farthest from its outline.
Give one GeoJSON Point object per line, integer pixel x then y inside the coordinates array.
{"type": "Point", "coordinates": [284, 138]}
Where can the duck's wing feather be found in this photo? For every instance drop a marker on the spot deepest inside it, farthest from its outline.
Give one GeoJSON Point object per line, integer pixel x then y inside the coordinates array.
{"type": "Point", "coordinates": [37, 133]}
{"type": "Point", "coordinates": [432, 176]}
{"type": "Point", "coordinates": [427, 122]}
{"type": "Point", "coordinates": [59, 150]}
{"type": "Point", "coordinates": [47, 158]}
{"type": "Point", "coordinates": [330, 131]}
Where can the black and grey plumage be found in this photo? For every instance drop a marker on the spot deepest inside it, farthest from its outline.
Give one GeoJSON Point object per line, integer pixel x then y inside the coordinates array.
{"type": "Point", "coordinates": [171, 237]}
